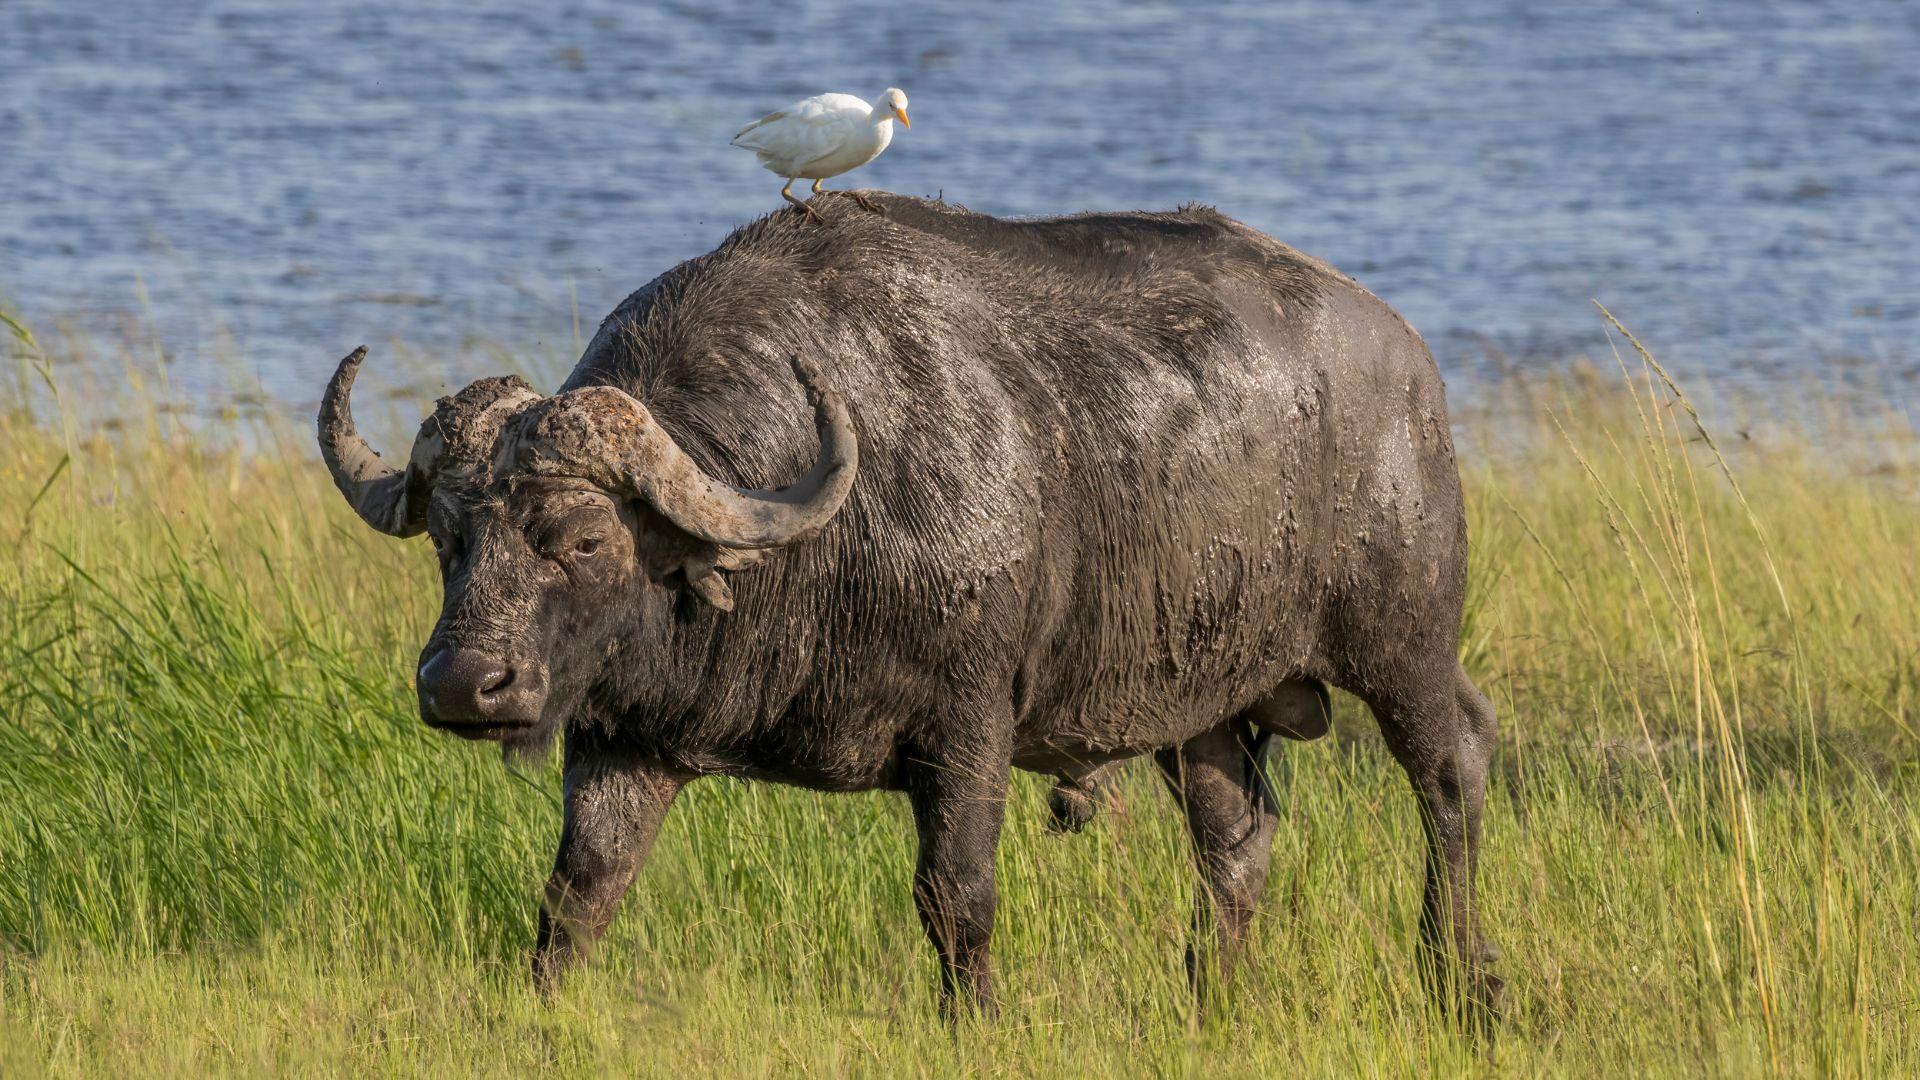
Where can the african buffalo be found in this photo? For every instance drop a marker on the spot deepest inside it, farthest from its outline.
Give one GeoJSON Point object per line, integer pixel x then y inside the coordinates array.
{"type": "Point", "coordinates": [1082, 489]}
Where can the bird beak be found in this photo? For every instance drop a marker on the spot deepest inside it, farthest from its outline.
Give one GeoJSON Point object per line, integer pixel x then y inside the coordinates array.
{"type": "Point", "coordinates": [902, 114]}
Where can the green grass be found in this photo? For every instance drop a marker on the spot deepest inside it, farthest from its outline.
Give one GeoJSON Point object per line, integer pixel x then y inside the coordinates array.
{"type": "Point", "coordinates": [227, 843]}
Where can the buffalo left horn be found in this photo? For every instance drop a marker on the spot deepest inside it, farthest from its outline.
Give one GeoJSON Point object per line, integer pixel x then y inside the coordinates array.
{"type": "Point", "coordinates": [376, 491]}
{"type": "Point", "coordinates": [605, 435]}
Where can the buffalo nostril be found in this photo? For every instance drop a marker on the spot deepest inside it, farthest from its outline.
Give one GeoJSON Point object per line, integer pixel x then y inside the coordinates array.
{"type": "Point", "coordinates": [495, 681]}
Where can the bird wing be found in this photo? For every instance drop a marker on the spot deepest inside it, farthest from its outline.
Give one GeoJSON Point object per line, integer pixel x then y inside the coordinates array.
{"type": "Point", "coordinates": [778, 114]}
{"type": "Point", "coordinates": [805, 130]}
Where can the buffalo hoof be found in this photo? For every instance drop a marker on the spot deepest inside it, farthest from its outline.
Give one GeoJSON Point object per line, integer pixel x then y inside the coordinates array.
{"type": "Point", "coordinates": [962, 1006]}
{"type": "Point", "coordinates": [1486, 995]}
{"type": "Point", "coordinates": [1478, 1003]}
{"type": "Point", "coordinates": [550, 964]}
{"type": "Point", "coordinates": [546, 974]}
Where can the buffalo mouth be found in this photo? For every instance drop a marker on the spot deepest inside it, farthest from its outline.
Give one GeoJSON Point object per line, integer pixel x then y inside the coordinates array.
{"type": "Point", "coordinates": [491, 731]}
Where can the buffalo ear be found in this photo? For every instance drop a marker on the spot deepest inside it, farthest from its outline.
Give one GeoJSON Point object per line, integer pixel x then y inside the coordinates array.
{"type": "Point", "coordinates": [666, 550]}
{"type": "Point", "coordinates": [714, 590]}
{"type": "Point", "coordinates": [703, 568]}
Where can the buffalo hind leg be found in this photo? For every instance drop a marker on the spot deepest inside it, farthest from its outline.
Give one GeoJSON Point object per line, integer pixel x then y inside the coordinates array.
{"type": "Point", "coordinates": [1444, 739]}
{"type": "Point", "coordinates": [1231, 816]}
{"type": "Point", "coordinates": [614, 807]}
{"type": "Point", "coordinates": [958, 803]}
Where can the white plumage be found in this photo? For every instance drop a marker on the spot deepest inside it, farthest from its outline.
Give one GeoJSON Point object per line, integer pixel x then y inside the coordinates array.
{"type": "Point", "coordinates": [823, 136]}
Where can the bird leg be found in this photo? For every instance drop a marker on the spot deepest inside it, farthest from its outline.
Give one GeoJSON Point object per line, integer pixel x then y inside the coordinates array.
{"type": "Point", "coordinates": [787, 194]}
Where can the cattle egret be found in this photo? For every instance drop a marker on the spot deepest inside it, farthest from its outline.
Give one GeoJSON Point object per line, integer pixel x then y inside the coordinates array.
{"type": "Point", "coordinates": [823, 136]}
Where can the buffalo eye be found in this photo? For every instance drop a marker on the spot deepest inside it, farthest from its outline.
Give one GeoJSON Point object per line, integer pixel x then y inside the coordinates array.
{"type": "Point", "coordinates": [446, 547]}
{"type": "Point", "coordinates": [586, 546]}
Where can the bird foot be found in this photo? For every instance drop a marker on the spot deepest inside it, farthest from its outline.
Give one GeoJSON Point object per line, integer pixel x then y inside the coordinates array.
{"type": "Point", "coordinates": [802, 205]}
{"type": "Point", "coordinates": [865, 203]}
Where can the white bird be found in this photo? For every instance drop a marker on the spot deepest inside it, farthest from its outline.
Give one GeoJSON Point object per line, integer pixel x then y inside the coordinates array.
{"type": "Point", "coordinates": [821, 136]}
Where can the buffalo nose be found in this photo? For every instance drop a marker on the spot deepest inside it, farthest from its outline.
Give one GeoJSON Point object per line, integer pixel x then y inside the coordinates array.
{"type": "Point", "coordinates": [465, 686]}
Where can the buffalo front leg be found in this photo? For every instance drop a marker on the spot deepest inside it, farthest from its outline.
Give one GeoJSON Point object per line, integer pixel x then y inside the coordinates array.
{"type": "Point", "coordinates": [614, 806]}
{"type": "Point", "coordinates": [1231, 816]}
{"type": "Point", "coordinates": [957, 810]}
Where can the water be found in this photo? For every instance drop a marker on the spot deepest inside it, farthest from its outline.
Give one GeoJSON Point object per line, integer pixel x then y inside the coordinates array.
{"type": "Point", "coordinates": [277, 182]}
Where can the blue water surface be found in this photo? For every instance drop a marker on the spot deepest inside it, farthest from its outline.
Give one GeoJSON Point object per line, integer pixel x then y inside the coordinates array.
{"type": "Point", "coordinates": [279, 181]}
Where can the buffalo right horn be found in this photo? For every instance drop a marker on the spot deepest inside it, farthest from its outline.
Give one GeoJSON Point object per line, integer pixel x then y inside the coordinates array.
{"type": "Point", "coordinates": [377, 492]}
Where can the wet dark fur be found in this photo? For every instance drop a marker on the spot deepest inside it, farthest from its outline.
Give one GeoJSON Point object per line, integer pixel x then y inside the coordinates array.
{"type": "Point", "coordinates": [1121, 476]}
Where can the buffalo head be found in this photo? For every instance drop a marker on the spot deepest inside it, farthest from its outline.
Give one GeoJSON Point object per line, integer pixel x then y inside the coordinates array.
{"type": "Point", "coordinates": [546, 512]}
